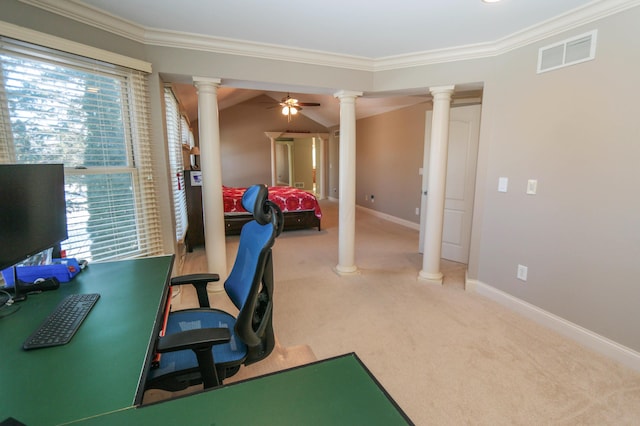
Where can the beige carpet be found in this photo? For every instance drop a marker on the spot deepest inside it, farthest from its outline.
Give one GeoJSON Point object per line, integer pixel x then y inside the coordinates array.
{"type": "Point", "coordinates": [447, 357]}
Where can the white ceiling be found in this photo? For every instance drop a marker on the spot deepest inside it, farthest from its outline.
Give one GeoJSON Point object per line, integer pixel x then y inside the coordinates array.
{"type": "Point", "coordinates": [350, 30]}
{"type": "Point", "coordinates": [363, 28]}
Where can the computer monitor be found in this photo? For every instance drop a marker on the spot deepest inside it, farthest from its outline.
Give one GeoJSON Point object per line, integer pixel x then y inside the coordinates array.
{"type": "Point", "coordinates": [33, 214]}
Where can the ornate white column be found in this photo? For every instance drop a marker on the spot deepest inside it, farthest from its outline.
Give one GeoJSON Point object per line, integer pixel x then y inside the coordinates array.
{"type": "Point", "coordinates": [347, 182]}
{"type": "Point", "coordinates": [437, 184]}
{"type": "Point", "coordinates": [211, 166]}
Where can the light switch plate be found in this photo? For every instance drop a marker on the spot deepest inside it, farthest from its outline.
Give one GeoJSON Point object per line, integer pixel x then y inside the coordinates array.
{"type": "Point", "coordinates": [522, 272]}
{"type": "Point", "coordinates": [503, 183]}
{"type": "Point", "coordinates": [532, 186]}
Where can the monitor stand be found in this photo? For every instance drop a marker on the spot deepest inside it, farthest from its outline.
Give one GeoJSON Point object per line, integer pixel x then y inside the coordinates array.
{"type": "Point", "coordinates": [18, 287]}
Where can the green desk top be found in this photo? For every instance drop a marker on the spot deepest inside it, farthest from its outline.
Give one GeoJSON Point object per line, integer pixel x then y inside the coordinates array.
{"type": "Point", "coordinates": [101, 369]}
{"type": "Point", "coordinates": [338, 391]}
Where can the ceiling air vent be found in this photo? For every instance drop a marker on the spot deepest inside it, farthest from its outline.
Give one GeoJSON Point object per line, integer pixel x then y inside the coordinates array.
{"type": "Point", "coordinates": [568, 52]}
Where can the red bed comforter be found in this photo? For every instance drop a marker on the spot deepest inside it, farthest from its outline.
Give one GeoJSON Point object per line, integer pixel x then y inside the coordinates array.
{"type": "Point", "coordinates": [287, 198]}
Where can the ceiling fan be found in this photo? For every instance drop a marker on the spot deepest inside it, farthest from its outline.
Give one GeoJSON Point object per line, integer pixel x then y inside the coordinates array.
{"type": "Point", "coordinates": [291, 106]}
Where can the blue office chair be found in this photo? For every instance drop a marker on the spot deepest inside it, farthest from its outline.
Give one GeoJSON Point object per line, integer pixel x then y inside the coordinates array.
{"type": "Point", "coordinates": [205, 345]}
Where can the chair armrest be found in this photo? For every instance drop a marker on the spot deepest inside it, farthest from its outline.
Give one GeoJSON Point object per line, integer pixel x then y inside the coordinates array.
{"type": "Point", "coordinates": [200, 341]}
{"type": "Point", "coordinates": [194, 278]}
{"type": "Point", "coordinates": [199, 281]}
{"type": "Point", "coordinates": [198, 338]}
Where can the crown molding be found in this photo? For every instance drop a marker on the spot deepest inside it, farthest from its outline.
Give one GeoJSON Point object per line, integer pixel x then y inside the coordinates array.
{"type": "Point", "coordinates": [42, 39]}
{"type": "Point", "coordinates": [436, 56]}
{"type": "Point", "coordinates": [92, 16]}
{"type": "Point", "coordinates": [591, 12]}
{"type": "Point", "coordinates": [255, 50]}
{"type": "Point", "coordinates": [586, 14]}
{"type": "Point", "coordinates": [105, 21]}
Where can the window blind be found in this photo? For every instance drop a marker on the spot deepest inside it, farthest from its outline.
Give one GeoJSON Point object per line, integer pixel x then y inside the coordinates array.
{"type": "Point", "coordinates": [177, 134]}
{"type": "Point", "coordinates": [94, 118]}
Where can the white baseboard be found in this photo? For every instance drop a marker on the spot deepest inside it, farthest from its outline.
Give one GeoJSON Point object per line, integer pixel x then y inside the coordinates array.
{"type": "Point", "coordinates": [403, 222]}
{"type": "Point", "coordinates": [591, 340]}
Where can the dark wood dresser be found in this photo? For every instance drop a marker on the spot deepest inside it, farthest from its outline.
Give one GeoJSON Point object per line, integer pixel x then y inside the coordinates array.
{"type": "Point", "coordinates": [195, 231]}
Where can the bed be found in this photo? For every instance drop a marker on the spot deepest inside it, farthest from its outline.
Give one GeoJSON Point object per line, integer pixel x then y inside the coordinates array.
{"type": "Point", "coordinates": [300, 208]}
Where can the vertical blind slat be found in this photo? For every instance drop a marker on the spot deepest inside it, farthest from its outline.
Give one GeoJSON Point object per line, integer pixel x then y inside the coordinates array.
{"type": "Point", "coordinates": [177, 133]}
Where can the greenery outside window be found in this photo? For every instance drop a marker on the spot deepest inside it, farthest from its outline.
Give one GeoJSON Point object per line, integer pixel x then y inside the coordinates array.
{"type": "Point", "coordinates": [93, 117]}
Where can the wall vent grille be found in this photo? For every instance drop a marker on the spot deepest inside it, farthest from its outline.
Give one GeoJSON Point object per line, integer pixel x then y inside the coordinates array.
{"type": "Point", "coordinates": [571, 51]}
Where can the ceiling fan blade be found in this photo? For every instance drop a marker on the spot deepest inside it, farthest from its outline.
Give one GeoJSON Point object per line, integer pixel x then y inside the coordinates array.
{"type": "Point", "coordinates": [308, 104]}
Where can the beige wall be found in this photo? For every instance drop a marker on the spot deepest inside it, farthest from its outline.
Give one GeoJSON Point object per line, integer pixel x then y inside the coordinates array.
{"type": "Point", "coordinates": [389, 152]}
{"type": "Point", "coordinates": [245, 149]}
{"type": "Point", "coordinates": [576, 130]}
{"type": "Point", "coordinates": [18, 13]}
{"type": "Point", "coordinates": [182, 64]}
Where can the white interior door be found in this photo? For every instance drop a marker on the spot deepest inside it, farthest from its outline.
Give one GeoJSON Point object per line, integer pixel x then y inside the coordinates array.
{"type": "Point", "coordinates": [464, 132]}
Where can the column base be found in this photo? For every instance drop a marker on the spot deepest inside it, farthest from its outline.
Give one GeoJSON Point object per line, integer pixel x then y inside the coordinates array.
{"type": "Point", "coordinates": [431, 278]}
{"type": "Point", "coordinates": [346, 270]}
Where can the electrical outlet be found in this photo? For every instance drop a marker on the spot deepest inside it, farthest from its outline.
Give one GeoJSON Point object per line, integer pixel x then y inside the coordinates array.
{"type": "Point", "coordinates": [372, 198]}
{"type": "Point", "coordinates": [417, 211]}
{"type": "Point", "coordinates": [522, 272]}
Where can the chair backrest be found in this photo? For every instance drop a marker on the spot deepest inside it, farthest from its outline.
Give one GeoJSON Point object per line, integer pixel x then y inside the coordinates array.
{"type": "Point", "coordinates": [250, 283]}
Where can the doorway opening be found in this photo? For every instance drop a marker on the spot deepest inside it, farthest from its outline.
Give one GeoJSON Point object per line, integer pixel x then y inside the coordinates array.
{"type": "Point", "coordinates": [299, 160]}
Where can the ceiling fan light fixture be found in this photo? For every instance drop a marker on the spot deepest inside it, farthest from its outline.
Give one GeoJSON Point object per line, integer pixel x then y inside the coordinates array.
{"type": "Point", "coordinates": [289, 110]}
{"type": "Point", "coordinates": [291, 106]}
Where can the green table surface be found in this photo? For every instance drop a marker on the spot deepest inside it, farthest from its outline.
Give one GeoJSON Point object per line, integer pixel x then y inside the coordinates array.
{"type": "Point", "coordinates": [337, 391]}
{"type": "Point", "coordinates": [101, 369]}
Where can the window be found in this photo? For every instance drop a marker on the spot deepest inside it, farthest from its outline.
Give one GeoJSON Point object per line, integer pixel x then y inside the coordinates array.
{"type": "Point", "coordinates": [93, 117]}
{"type": "Point", "coordinates": [178, 134]}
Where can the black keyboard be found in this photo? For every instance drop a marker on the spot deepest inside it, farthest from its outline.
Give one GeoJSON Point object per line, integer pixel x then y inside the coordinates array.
{"type": "Point", "coordinates": [63, 322]}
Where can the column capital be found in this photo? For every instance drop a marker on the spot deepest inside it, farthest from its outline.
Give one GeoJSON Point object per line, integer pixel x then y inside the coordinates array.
{"type": "Point", "coordinates": [273, 135]}
{"type": "Point", "coordinates": [342, 94]}
{"type": "Point", "coordinates": [199, 80]}
{"type": "Point", "coordinates": [438, 90]}
{"type": "Point", "coordinates": [207, 85]}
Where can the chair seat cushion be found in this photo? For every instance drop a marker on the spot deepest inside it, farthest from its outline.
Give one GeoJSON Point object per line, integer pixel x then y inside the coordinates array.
{"type": "Point", "coordinates": [232, 352]}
